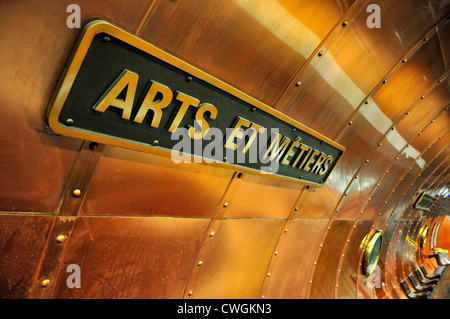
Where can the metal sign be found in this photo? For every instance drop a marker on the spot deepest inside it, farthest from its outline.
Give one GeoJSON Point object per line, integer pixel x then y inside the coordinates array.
{"type": "Point", "coordinates": [123, 91]}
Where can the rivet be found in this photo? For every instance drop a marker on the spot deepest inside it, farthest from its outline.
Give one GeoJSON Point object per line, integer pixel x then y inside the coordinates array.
{"type": "Point", "coordinates": [45, 283]}
{"type": "Point", "coordinates": [263, 297]}
{"type": "Point", "coordinates": [425, 39]}
{"type": "Point", "coordinates": [320, 53]}
{"type": "Point", "coordinates": [190, 293]}
{"type": "Point", "coordinates": [345, 23]}
{"type": "Point", "coordinates": [69, 122]}
{"type": "Point", "coordinates": [422, 97]}
{"type": "Point", "coordinates": [155, 142]}
{"type": "Point", "coordinates": [379, 144]}
{"type": "Point", "coordinates": [310, 282]}
{"type": "Point", "coordinates": [315, 263]}
{"type": "Point", "coordinates": [321, 246]}
{"type": "Point", "coordinates": [367, 161]}
{"type": "Point", "coordinates": [285, 230]}
{"type": "Point", "coordinates": [366, 102]}
{"type": "Point", "coordinates": [189, 78]}
{"type": "Point", "coordinates": [60, 238]}
{"type": "Point", "coordinates": [296, 208]}
{"type": "Point", "coordinates": [211, 234]}
{"type": "Point", "coordinates": [76, 192]}
{"type": "Point", "coordinates": [404, 60]}
{"type": "Point", "coordinates": [268, 274]}
{"type": "Point", "coordinates": [200, 263]}
{"type": "Point", "coordinates": [328, 228]}
{"type": "Point", "coordinates": [407, 113]}
{"type": "Point", "coordinates": [350, 123]}
{"type": "Point", "coordinates": [276, 252]}
{"type": "Point", "coordinates": [106, 39]}
{"type": "Point", "coordinates": [298, 83]}
{"type": "Point", "coordinates": [225, 204]}
{"type": "Point", "coordinates": [384, 81]}
{"type": "Point", "coordinates": [253, 109]}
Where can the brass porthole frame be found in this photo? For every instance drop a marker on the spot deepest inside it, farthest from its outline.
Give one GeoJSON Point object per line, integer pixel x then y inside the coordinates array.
{"type": "Point", "coordinates": [423, 233]}
{"type": "Point", "coordinates": [371, 240]}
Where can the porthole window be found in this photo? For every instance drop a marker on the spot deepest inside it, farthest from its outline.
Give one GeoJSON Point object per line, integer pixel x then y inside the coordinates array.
{"type": "Point", "coordinates": [372, 252]}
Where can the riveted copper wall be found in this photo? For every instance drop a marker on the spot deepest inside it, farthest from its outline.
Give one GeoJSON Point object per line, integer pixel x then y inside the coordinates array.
{"type": "Point", "coordinates": [141, 226]}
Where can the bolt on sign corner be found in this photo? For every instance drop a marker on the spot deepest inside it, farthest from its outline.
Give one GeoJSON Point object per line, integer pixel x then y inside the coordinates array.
{"type": "Point", "coordinates": [120, 90]}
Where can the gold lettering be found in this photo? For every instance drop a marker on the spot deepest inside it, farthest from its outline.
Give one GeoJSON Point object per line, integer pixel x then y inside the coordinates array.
{"type": "Point", "coordinates": [200, 119]}
{"type": "Point", "coordinates": [311, 159]}
{"type": "Point", "coordinates": [291, 151]}
{"type": "Point", "coordinates": [156, 106]}
{"type": "Point", "coordinates": [303, 149]}
{"type": "Point", "coordinates": [325, 168]}
{"type": "Point", "coordinates": [275, 150]}
{"type": "Point", "coordinates": [186, 102]}
{"type": "Point", "coordinates": [126, 79]}
{"type": "Point", "coordinates": [318, 163]}
{"type": "Point", "coordinates": [236, 133]}
{"type": "Point", "coordinates": [256, 129]}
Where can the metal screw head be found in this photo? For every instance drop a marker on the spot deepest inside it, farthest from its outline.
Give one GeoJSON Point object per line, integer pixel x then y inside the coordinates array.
{"type": "Point", "coordinates": [211, 234]}
{"type": "Point", "coordinates": [60, 238]}
{"type": "Point", "coordinates": [69, 122]}
{"type": "Point", "coordinates": [200, 263]}
{"type": "Point", "coordinates": [93, 146]}
{"type": "Point", "coordinates": [45, 283]}
{"type": "Point", "coordinates": [320, 53]}
{"type": "Point", "coordinates": [225, 204]}
{"type": "Point", "coordinates": [345, 23]}
{"type": "Point", "coordinates": [298, 83]}
{"type": "Point", "coordinates": [190, 293]}
{"type": "Point", "coordinates": [76, 192]}
{"type": "Point", "coordinates": [155, 143]}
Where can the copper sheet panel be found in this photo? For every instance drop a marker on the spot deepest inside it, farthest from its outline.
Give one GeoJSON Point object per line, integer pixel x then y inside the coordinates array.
{"type": "Point", "coordinates": [124, 258]}
{"type": "Point", "coordinates": [22, 239]}
{"type": "Point", "coordinates": [327, 98]}
{"type": "Point", "coordinates": [235, 259]}
{"type": "Point", "coordinates": [350, 266]}
{"type": "Point", "coordinates": [423, 111]}
{"type": "Point", "coordinates": [34, 165]}
{"type": "Point", "coordinates": [51, 256]}
{"type": "Point", "coordinates": [260, 197]}
{"type": "Point", "coordinates": [149, 185]}
{"type": "Point", "coordinates": [35, 45]}
{"type": "Point", "coordinates": [325, 273]}
{"type": "Point", "coordinates": [279, 43]}
{"type": "Point", "coordinates": [291, 265]}
{"type": "Point", "coordinates": [410, 81]}
{"type": "Point", "coordinates": [435, 129]}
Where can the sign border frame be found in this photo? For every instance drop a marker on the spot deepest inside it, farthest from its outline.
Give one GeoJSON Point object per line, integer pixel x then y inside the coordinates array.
{"type": "Point", "coordinates": [74, 64]}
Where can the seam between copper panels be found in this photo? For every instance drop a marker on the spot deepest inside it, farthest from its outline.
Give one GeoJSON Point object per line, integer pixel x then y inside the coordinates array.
{"type": "Point", "coordinates": [353, 11]}
{"type": "Point", "coordinates": [275, 251]}
{"type": "Point", "coordinates": [203, 249]}
{"type": "Point", "coordinates": [144, 19]}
